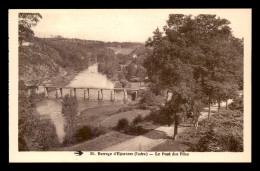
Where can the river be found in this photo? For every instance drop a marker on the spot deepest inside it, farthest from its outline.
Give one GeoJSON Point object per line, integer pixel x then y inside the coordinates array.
{"type": "Point", "coordinates": [90, 77]}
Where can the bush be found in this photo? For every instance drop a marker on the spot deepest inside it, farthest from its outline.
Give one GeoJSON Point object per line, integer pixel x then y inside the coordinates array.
{"type": "Point", "coordinates": [125, 83]}
{"type": "Point", "coordinates": [46, 137]}
{"type": "Point", "coordinates": [223, 132]}
{"type": "Point", "coordinates": [158, 117]}
{"type": "Point", "coordinates": [135, 130]}
{"type": "Point", "coordinates": [131, 129]}
{"type": "Point", "coordinates": [86, 133]}
{"type": "Point", "coordinates": [122, 124]}
{"type": "Point", "coordinates": [118, 85]}
{"type": "Point", "coordinates": [148, 98]}
{"type": "Point", "coordinates": [237, 104]}
{"type": "Point", "coordinates": [137, 119]}
{"type": "Point", "coordinates": [69, 111]}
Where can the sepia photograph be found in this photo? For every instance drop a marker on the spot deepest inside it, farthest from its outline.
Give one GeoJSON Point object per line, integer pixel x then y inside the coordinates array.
{"type": "Point", "coordinates": [130, 85]}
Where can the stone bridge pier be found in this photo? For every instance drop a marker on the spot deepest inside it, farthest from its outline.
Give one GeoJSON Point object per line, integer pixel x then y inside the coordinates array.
{"type": "Point", "coordinates": [73, 92]}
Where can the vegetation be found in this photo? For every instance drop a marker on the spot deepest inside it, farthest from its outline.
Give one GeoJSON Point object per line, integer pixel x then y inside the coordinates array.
{"type": "Point", "coordinates": [69, 111]}
{"type": "Point", "coordinates": [26, 22]}
{"type": "Point", "coordinates": [223, 132]}
{"type": "Point", "coordinates": [158, 117]}
{"type": "Point", "coordinates": [86, 133]}
{"type": "Point", "coordinates": [137, 119]}
{"type": "Point", "coordinates": [196, 61]}
{"type": "Point", "coordinates": [131, 129]}
{"type": "Point", "coordinates": [34, 134]}
{"type": "Point", "coordinates": [122, 124]}
{"type": "Point", "coordinates": [237, 104]}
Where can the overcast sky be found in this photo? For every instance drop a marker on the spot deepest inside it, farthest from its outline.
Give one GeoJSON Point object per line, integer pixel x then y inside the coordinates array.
{"type": "Point", "coordinates": [123, 25]}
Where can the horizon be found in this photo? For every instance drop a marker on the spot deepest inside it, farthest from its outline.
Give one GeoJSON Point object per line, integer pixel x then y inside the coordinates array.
{"type": "Point", "coordinates": [121, 25]}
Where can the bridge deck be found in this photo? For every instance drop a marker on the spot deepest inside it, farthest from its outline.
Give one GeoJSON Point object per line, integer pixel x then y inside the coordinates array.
{"type": "Point", "coordinates": [130, 89]}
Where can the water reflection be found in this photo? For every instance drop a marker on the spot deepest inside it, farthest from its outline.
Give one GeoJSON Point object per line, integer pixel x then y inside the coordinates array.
{"type": "Point", "coordinates": [51, 109]}
{"type": "Point", "coordinates": [87, 78]}
{"type": "Point", "coordinates": [91, 78]}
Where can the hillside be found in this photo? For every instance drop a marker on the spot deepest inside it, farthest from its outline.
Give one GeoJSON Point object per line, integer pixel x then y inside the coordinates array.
{"type": "Point", "coordinates": [49, 59]}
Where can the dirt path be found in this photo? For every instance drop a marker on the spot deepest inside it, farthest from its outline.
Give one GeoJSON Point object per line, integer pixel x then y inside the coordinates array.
{"type": "Point", "coordinates": [146, 142]}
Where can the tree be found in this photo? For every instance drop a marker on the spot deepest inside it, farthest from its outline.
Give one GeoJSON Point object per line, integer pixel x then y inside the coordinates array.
{"type": "Point", "coordinates": [191, 58]}
{"type": "Point", "coordinates": [26, 22]}
{"type": "Point", "coordinates": [69, 111]}
{"type": "Point", "coordinates": [130, 71]}
{"type": "Point", "coordinates": [33, 133]}
{"type": "Point", "coordinates": [141, 73]}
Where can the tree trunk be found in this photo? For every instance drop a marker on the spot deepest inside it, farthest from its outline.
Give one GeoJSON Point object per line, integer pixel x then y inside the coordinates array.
{"type": "Point", "coordinates": [227, 104]}
{"type": "Point", "coordinates": [218, 106]}
{"type": "Point", "coordinates": [175, 127]}
{"type": "Point", "coordinates": [209, 107]}
{"type": "Point", "coordinates": [196, 123]}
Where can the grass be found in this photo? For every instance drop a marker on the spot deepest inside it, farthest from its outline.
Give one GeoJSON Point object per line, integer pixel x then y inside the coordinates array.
{"type": "Point", "coordinates": [94, 116]}
{"type": "Point", "coordinates": [99, 143]}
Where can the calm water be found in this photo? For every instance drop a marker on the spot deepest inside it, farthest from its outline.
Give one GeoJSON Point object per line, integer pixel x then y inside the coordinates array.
{"type": "Point", "coordinates": [87, 78]}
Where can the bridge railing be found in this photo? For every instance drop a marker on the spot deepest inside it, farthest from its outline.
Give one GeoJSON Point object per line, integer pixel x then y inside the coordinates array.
{"type": "Point", "coordinates": [73, 92]}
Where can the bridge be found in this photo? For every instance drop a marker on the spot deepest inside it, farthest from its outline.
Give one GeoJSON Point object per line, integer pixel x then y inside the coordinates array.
{"type": "Point", "coordinates": [73, 91]}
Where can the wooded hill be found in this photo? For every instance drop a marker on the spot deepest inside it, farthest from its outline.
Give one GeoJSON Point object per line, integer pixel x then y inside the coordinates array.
{"type": "Point", "coordinates": [44, 58]}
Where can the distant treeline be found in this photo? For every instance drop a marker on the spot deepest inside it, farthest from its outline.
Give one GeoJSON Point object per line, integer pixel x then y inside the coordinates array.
{"type": "Point", "coordinates": [48, 57]}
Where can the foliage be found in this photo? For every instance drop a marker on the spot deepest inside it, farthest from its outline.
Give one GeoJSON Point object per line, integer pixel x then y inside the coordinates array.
{"type": "Point", "coordinates": [46, 135]}
{"type": "Point", "coordinates": [148, 98]}
{"type": "Point", "coordinates": [86, 133]}
{"type": "Point", "coordinates": [69, 111]}
{"type": "Point", "coordinates": [237, 104]}
{"type": "Point", "coordinates": [131, 129]}
{"type": "Point", "coordinates": [118, 85]}
{"type": "Point", "coordinates": [33, 133]}
{"type": "Point", "coordinates": [125, 84]}
{"type": "Point", "coordinates": [122, 124]}
{"type": "Point", "coordinates": [135, 130]}
{"type": "Point", "coordinates": [26, 22]}
{"type": "Point", "coordinates": [194, 59]}
{"type": "Point", "coordinates": [137, 119]}
{"type": "Point", "coordinates": [223, 132]}
{"type": "Point", "coordinates": [158, 117]}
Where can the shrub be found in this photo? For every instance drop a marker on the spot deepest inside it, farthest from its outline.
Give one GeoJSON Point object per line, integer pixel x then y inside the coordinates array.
{"type": "Point", "coordinates": [125, 83]}
{"type": "Point", "coordinates": [118, 85]}
{"type": "Point", "coordinates": [86, 133]}
{"type": "Point", "coordinates": [158, 117]}
{"type": "Point", "coordinates": [69, 111]}
{"type": "Point", "coordinates": [46, 137]}
{"type": "Point", "coordinates": [148, 98]}
{"type": "Point", "coordinates": [237, 104]}
{"type": "Point", "coordinates": [135, 130]}
{"type": "Point", "coordinates": [131, 129]}
{"type": "Point", "coordinates": [122, 124]}
{"type": "Point", "coordinates": [137, 119]}
{"type": "Point", "coordinates": [223, 132]}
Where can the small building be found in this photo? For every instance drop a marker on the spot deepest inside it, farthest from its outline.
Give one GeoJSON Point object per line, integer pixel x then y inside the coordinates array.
{"type": "Point", "coordinates": [27, 44]}
{"type": "Point", "coordinates": [134, 56]}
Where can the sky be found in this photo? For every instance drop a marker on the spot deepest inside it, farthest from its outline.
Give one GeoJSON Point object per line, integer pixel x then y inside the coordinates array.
{"type": "Point", "coordinates": [123, 25]}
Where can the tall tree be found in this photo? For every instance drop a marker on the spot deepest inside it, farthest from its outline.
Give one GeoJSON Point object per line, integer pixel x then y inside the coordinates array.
{"type": "Point", "coordinates": [26, 22]}
{"type": "Point", "coordinates": [69, 111]}
{"type": "Point", "coordinates": [191, 58]}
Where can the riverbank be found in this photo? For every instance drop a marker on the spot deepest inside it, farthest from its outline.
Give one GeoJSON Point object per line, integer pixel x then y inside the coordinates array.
{"type": "Point", "coordinates": [64, 80]}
